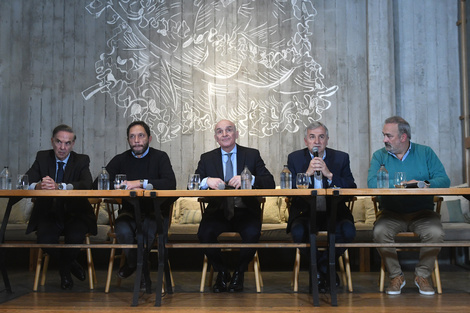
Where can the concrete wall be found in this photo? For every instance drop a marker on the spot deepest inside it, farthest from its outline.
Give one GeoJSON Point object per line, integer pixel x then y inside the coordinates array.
{"type": "Point", "coordinates": [271, 66]}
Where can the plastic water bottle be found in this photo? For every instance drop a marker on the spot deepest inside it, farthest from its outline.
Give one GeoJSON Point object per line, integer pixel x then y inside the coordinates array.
{"type": "Point", "coordinates": [5, 178]}
{"type": "Point", "coordinates": [103, 179]}
{"type": "Point", "coordinates": [382, 177]}
{"type": "Point", "coordinates": [246, 178]}
{"type": "Point", "coordinates": [286, 178]}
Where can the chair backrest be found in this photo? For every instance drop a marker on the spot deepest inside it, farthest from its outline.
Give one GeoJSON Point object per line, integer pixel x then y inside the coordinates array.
{"type": "Point", "coordinates": [96, 204]}
{"type": "Point", "coordinates": [112, 204]}
{"type": "Point", "coordinates": [437, 204]}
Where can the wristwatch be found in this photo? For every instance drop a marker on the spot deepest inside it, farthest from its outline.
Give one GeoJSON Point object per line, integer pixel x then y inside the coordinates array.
{"type": "Point", "coordinates": [141, 183]}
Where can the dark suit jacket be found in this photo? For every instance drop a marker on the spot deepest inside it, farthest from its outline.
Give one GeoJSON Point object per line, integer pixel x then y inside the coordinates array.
{"type": "Point", "coordinates": [338, 163]}
{"type": "Point", "coordinates": [77, 173]}
{"type": "Point", "coordinates": [210, 165]}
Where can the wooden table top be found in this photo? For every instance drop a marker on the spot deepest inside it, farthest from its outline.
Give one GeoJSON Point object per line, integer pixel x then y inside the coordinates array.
{"type": "Point", "coordinates": [71, 193]}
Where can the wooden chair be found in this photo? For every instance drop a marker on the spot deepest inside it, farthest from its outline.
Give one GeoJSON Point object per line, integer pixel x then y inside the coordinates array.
{"type": "Point", "coordinates": [230, 236]}
{"type": "Point", "coordinates": [113, 205]}
{"type": "Point", "coordinates": [436, 275]}
{"type": "Point", "coordinates": [42, 262]}
{"type": "Point", "coordinates": [343, 261]}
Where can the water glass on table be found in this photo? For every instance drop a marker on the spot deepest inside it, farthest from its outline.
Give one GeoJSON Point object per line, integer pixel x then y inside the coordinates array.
{"type": "Point", "coordinates": [400, 179]}
{"type": "Point", "coordinates": [22, 182]}
{"type": "Point", "coordinates": [120, 182]}
{"type": "Point", "coordinates": [302, 181]}
{"type": "Point", "coordinates": [193, 181]}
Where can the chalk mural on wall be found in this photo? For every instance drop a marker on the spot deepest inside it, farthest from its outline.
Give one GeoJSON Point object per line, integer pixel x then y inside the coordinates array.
{"type": "Point", "coordinates": [181, 69]}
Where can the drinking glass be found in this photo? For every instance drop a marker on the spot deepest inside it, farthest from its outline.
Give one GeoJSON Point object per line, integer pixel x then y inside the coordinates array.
{"type": "Point", "coordinates": [194, 181]}
{"type": "Point", "coordinates": [22, 182]}
{"type": "Point", "coordinates": [120, 181]}
{"type": "Point", "coordinates": [400, 179]}
{"type": "Point", "coordinates": [302, 181]}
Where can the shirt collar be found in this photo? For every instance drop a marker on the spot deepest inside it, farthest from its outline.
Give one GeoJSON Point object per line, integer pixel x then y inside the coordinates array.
{"type": "Point", "coordinates": [404, 156]}
{"type": "Point", "coordinates": [143, 155]}
{"type": "Point", "coordinates": [323, 157]}
{"type": "Point", "coordinates": [64, 160]}
{"type": "Point", "coordinates": [234, 151]}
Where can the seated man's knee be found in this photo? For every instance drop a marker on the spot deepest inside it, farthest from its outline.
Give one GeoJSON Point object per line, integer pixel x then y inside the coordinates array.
{"type": "Point", "coordinates": [347, 231]}
{"type": "Point", "coordinates": [251, 234]}
{"type": "Point", "coordinates": [298, 232]}
{"type": "Point", "coordinates": [380, 233]}
{"type": "Point", "coordinates": [124, 230]}
{"type": "Point", "coordinates": [433, 234]}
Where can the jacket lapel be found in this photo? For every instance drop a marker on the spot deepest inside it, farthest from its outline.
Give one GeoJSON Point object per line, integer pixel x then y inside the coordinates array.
{"type": "Point", "coordinates": [69, 167]}
{"type": "Point", "coordinates": [218, 163]}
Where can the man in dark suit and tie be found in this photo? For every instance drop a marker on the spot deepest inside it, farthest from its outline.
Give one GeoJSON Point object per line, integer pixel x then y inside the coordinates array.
{"type": "Point", "coordinates": [219, 169]}
{"type": "Point", "coordinates": [61, 168]}
{"type": "Point", "coordinates": [326, 168]}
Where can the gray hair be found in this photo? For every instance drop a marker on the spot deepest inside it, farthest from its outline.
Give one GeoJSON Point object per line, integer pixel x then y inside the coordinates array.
{"type": "Point", "coordinates": [315, 125]}
{"type": "Point", "coordinates": [403, 126]}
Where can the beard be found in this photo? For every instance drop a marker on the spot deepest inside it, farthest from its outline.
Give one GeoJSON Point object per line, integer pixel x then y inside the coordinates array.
{"type": "Point", "coordinates": [139, 149]}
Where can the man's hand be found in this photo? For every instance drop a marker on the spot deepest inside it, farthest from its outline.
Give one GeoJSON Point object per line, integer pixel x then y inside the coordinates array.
{"type": "Point", "coordinates": [317, 164]}
{"type": "Point", "coordinates": [47, 183]}
{"type": "Point", "coordinates": [214, 182]}
{"type": "Point", "coordinates": [133, 184]}
{"type": "Point", "coordinates": [236, 182]}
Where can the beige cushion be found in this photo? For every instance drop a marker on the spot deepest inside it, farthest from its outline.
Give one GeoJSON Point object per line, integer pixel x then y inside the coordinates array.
{"type": "Point", "coordinates": [20, 212]}
{"type": "Point", "coordinates": [190, 217]}
{"type": "Point", "coordinates": [271, 213]}
{"type": "Point", "coordinates": [187, 211]}
{"type": "Point", "coordinates": [369, 211]}
{"type": "Point", "coordinates": [359, 210]}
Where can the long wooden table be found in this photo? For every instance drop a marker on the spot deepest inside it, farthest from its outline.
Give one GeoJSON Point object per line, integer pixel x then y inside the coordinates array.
{"type": "Point", "coordinates": [160, 196]}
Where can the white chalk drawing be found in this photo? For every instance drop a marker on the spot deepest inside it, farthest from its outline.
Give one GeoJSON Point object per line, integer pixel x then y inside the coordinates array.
{"type": "Point", "coordinates": [183, 65]}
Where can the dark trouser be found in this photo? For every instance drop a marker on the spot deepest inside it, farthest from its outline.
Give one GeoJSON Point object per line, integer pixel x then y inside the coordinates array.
{"type": "Point", "coordinates": [125, 228]}
{"type": "Point", "coordinates": [243, 222]}
{"type": "Point", "coordinates": [345, 232]}
{"type": "Point", "coordinates": [49, 231]}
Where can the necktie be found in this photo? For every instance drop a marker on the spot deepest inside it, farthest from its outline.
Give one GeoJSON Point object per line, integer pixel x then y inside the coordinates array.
{"type": "Point", "coordinates": [60, 172]}
{"type": "Point", "coordinates": [229, 210]}
{"type": "Point", "coordinates": [228, 168]}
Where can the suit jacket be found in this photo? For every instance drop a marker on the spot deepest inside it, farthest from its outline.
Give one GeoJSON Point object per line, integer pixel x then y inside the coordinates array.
{"type": "Point", "coordinates": [338, 164]}
{"type": "Point", "coordinates": [77, 173]}
{"type": "Point", "coordinates": [210, 165]}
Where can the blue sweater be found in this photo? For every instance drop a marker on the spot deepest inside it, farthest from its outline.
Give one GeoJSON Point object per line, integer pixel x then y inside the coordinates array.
{"type": "Point", "coordinates": [421, 164]}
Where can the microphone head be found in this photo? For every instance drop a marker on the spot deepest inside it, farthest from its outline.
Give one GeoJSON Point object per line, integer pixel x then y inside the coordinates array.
{"type": "Point", "coordinates": [69, 187]}
{"type": "Point", "coordinates": [315, 151]}
{"type": "Point", "coordinates": [149, 186]}
{"type": "Point", "coordinates": [221, 186]}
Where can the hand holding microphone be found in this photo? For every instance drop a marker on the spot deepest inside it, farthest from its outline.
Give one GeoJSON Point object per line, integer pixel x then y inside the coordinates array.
{"type": "Point", "coordinates": [315, 155]}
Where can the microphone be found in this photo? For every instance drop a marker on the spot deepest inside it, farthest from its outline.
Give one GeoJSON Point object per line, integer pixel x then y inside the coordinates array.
{"type": "Point", "coordinates": [149, 186]}
{"type": "Point", "coordinates": [221, 186]}
{"type": "Point", "coordinates": [69, 187]}
{"type": "Point", "coordinates": [315, 155]}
